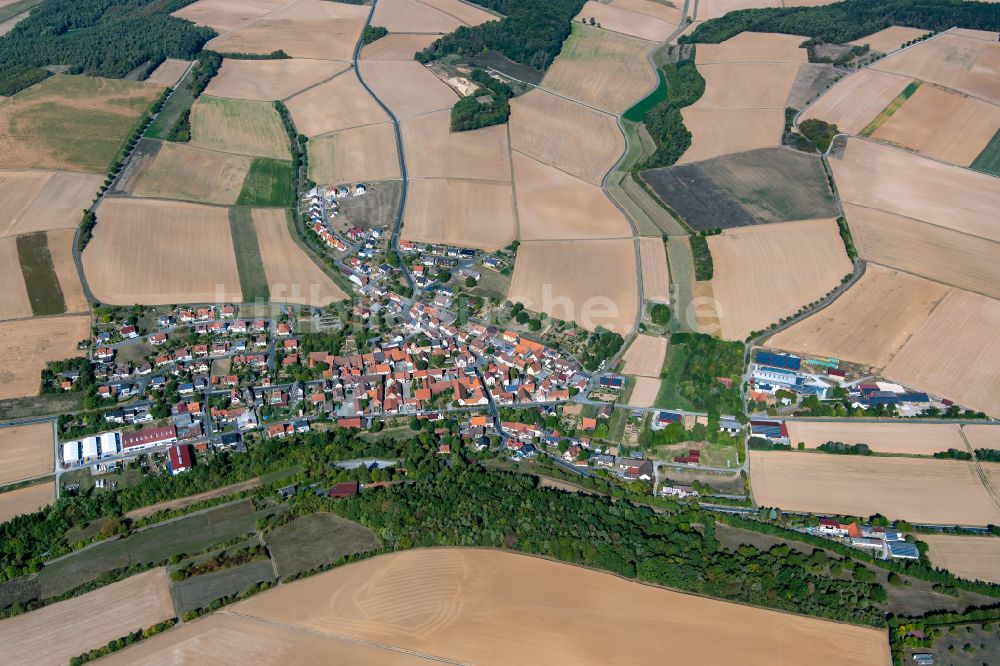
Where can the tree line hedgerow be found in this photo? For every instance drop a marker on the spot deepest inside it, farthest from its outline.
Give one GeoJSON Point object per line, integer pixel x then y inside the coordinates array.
{"type": "Point", "coordinates": [664, 122]}
{"type": "Point", "coordinates": [470, 113]}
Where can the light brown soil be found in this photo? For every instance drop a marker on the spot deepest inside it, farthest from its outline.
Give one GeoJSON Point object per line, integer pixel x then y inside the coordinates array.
{"type": "Point", "coordinates": [882, 437]}
{"type": "Point", "coordinates": [239, 126]}
{"type": "Point", "coordinates": [942, 124]}
{"type": "Point", "coordinates": [169, 72]}
{"type": "Point", "coordinates": [292, 276]}
{"type": "Point", "coordinates": [90, 620]}
{"type": "Point", "coordinates": [601, 68]}
{"type": "Point", "coordinates": [982, 436]}
{"type": "Point", "coordinates": [407, 88]}
{"type": "Point", "coordinates": [898, 181]}
{"type": "Point", "coordinates": [226, 15]}
{"type": "Point", "coordinates": [61, 244]}
{"type": "Point", "coordinates": [161, 252]}
{"type": "Point", "coordinates": [413, 16]}
{"type": "Point", "coordinates": [645, 391]}
{"type": "Point", "coordinates": [397, 47]}
{"type": "Point", "coordinates": [468, 213]}
{"type": "Point", "coordinates": [746, 85]}
{"type": "Point", "coordinates": [626, 22]}
{"type": "Point", "coordinates": [432, 151]}
{"type": "Point", "coordinates": [966, 64]}
{"type": "Point", "coordinates": [181, 171]}
{"type": "Point", "coordinates": [645, 356]}
{"type": "Point", "coordinates": [870, 322]}
{"type": "Point", "coordinates": [29, 344]}
{"type": "Point", "coordinates": [590, 282]}
{"type": "Point", "coordinates": [566, 135]}
{"type": "Point", "coordinates": [554, 205]}
{"type": "Point", "coordinates": [43, 200]}
{"type": "Point", "coordinates": [25, 452]}
{"type": "Point", "coordinates": [913, 489]}
{"type": "Point", "coordinates": [957, 259]}
{"type": "Point", "coordinates": [766, 272]}
{"type": "Point", "coordinates": [753, 47]}
{"type": "Point", "coordinates": [271, 79]}
{"type": "Point", "coordinates": [14, 301]}
{"type": "Point", "coordinates": [710, 9]}
{"type": "Point", "coordinates": [969, 557]}
{"type": "Point", "coordinates": [890, 39]}
{"type": "Point", "coordinates": [665, 11]}
{"type": "Point", "coordinates": [335, 105]}
{"type": "Point", "coordinates": [19, 502]}
{"type": "Point", "coordinates": [465, 12]}
{"type": "Point", "coordinates": [956, 353]}
{"type": "Point", "coordinates": [856, 99]}
{"type": "Point", "coordinates": [354, 155]}
{"type": "Point", "coordinates": [717, 132]}
{"type": "Point", "coordinates": [655, 274]}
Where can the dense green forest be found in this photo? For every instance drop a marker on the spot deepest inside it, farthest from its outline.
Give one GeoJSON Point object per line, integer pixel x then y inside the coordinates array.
{"type": "Point", "coordinates": [99, 37]}
{"type": "Point", "coordinates": [470, 113]}
{"type": "Point", "coordinates": [531, 32]}
{"type": "Point", "coordinates": [851, 19]}
{"type": "Point", "coordinates": [707, 360]}
{"type": "Point", "coordinates": [373, 33]}
{"type": "Point", "coordinates": [664, 122]}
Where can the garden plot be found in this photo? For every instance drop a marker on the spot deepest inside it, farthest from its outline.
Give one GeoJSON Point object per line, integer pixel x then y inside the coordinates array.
{"type": "Point", "coordinates": [645, 356]}
{"type": "Point", "coordinates": [913, 438]}
{"type": "Point", "coordinates": [239, 126]}
{"type": "Point", "coordinates": [338, 104]}
{"type": "Point", "coordinates": [655, 275]}
{"type": "Point", "coordinates": [753, 47]}
{"type": "Point", "coordinates": [552, 204]}
{"type": "Point", "coordinates": [890, 39]}
{"type": "Point", "coordinates": [856, 99]}
{"type": "Point", "coordinates": [397, 46]}
{"type": "Point", "coordinates": [29, 344]}
{"type": "Point", "coordinates": [767, 272]}
{"type": "Point", "coordinates": [432, 151]}
{"type": "Point", "coordinates": [971, 557]}
{"type": "Point", "coordinates": [415, 16]}
{"type": "Point", "coordinates": [181, 171]}
{"type": "Point", "coordinates": [354, 155]}
{"type": "Point", "coordinates": [603, 69]}
{"type": "Point", "coordinates": [26, 451]}
{"type": "Point", "coordinates": [227, 15]}
{"type": "Point", "coordinates": [267, 80]}
{"type": "Point", "coordinates": [626, 22]}
{"type": "Point", "coordinates": [407, 88]}
{"type": "Point", "coordinates": [468, 213]}
{"type": "Point", "coordinates": [169, 72]}
{"type": "Point", "coordinates": [577, 139]}
{"type": "Point", "coordinates": [136, 257]}
{"type": "Point", "coordinates": [590, 282]}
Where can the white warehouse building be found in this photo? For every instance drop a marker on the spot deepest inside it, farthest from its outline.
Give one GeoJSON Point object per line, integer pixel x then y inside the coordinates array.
{"type": "Point", "coordinates": [91, 448]}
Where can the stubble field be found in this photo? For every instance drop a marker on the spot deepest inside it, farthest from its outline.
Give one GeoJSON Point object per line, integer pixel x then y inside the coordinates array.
{"type": "Point", "coordinates": [645, 356]}
{"type": "Point", "coordinates": [31, 343]}
{"type": "Point", "coordinates": [468, 213]}
{"type": "Point", "coordinates": [400, 46]}
{"type": "Point", "coordinates": [414, 16]}
{"type": "Point", "coordinates": [465, 12]}
{"type": "Point", "coordinates": [645, 391]}
{"type": "Point", "coordinates": [856, 99]}
{"type": "Point", "coordinates": [890, 39]}
{"type": "Point", "coordinates": [227, 15]}
{"type": "Point", "coordinates": [169, 72]}
{"type": "Point", "coordinates": [61, 244]}
{"type": "Point", "coordinates": [972, 557]}
{"type": "Point", "coordinates": [710, 9]}
{"type": "Point", "coordinates": [664, 11]}
{"type": "Point", "coordinates": [25, 452]}
{"type": "Point", "coordinates": [618, 19]}
{"type": "Point", "coordinates": [432, 151]}
{"type": "Point", "coordinates": [655, 273]}
{"type": "Point", "coordinates": [238, 126]}
{"type": "Point", "coordinates": [14, 301]}
{"type": "Point", "coordinates": [181, 171]}
{"type": "Point", "coordinates": [717, 132]}
{"type": "Point", "coordinates": [407, 87]}
{"type": "Point", "coordinates": [358, 154]}
{"type": "Point", "coordinates": [753, 47]}
{"type": "Point", "coordinates": [338, 104]}
{"type": "Point", "coordinates": [23, 501]}
{"type": "Point", "coordinates": [923, 439]}
{"type": "Point", "coordinates": [267, 80]}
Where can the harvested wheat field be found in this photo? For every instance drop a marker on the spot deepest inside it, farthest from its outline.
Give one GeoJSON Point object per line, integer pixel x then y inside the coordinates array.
{"type": "Point", "coordinates": [898, 181]}
{"type": "Point", "coordinates": [645, 356]}
{"type": "Point", "coordinates": [361, 153]}
{"type": "Point", "coordinates": [169, 72]}
{"type": "Point", "coordinates": [14, 300]}
{"type": "Point", "coordinates": [433, 151]}
{"type": "Point", "coordinates": [971, 557]}
{"type": "Point", "coordinates": [339, 104]}
{"type": "Point", "coordinates": [942, 124]}
{"type": "Point", "coordinates": [136, 256]}
{"type": "Point", "coordinates": [29, 344]}
{"type": "Point", "coordinates": [44, 200]}
{"type": "Point", "coordinates": [869, 322]}
{"type": "Point", "coordinates": [591, 282]}
{"type": "Point", "coordinates": [753, 47]}
{"type": "Point", "coordinates": [577, 139]}
{"type": "Point", "coordinates": [914, 489]}
{"type": "Point", "coordinates": [445, 603]}
{"type": "Point", "coordinates": [764, 273]}
{"type": "Point", "coordinates": [26, 451]}
{"type": "Point", "coordinates": [982, 436]}
{"type": "Point", "coordinates": [88, 621]}
{"type": "Point", "coordinates": [239, 126]}
{"type": "Point", "coordinates": [268, 80]}
{"type": "Point", "coordinates": [645, 391]}
{"type": "Point", "coordinates": [466, 12]}
{"type": "Point", "coordinates": [655, 275]}
{"type": "Point", "coordinates": [665, 10]}
{"type": "Point", "coordinates": [181, 171]}
{"type": "Point", "coordinates": [468, 213]}
{"type": "Point", "coordinates": [601, 68]}
{"type": "Point", "coordinates": [890, 39]}
{"type": "Point", "coordinates": [397, 47]}
{"type": "Point", "coordinates": [61, 245]}
{"type": "Point", "coordinates": [292, 276]}
{"type": "Point", "coordinates": [957, 259]}
{"type": "Point", "coordinates": [17, 503]}
{"type": "Point", "coordinates": [923, 439]}
{"type": "Point", "coordinates": [407, 88]}
{"type": "Point", "coordinates": [717, 132]}
{"type": "Point", "coordinates": [304, 29]}
{"type": "Point", "coordinates": [955, 353]}
{"type": "Point", "coordinates": [857, 99]}
{"type": "Point", "coordinates": [414, 16]}
{"type": "Point", "coordinates": [226, 15]}
{"type": "Point", "coordinates": [71, 123]}
{"type": "Point", "coordinates": [626, 22]}
{"type": "Point", "coordinates": [960, 62]}
{"type": "Point", "coordinates": [552, 204]}
{"type": "Point", "coordinates": [746, 85]}
{"type": "Point", "coordinates": [710, 9]}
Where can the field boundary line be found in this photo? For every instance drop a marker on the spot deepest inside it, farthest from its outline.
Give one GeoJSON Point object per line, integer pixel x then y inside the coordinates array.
{"type": "Point", "coordinates": [438, 9]}
{"type": "Point", "coordinates": [553, 166]}
{"type": "Point", "coordinates": [513, 185]}
{"type": "Point", "coordinates": [979, 469]}
{"type": "Point", "coordinates": [319, 83]}
{"type": "Point", "coordinates": [256, 18]}
{"type": "Point", "coordinates": [934, 280]}
{"type": "Point", "coordinates": [464, 180]}
{"type": "Point", "coordinates": [352, 127]}
{"type": "Point", "coordinates": [930, 313]}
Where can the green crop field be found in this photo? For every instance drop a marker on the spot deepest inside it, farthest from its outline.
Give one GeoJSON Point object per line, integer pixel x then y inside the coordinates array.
{"type": "Point", "coordinates": [40, 275]}
{"type": "Point", "coordinates": [988, 161]}
{"type": "Point", "coordinates": [269, 184]}
{"type": "Point", "coordinates": [312, 541]}
{"type": "Point", "coordinates": [253, 280]}
{"type": "Point", "coordinates": [178, 102]}
{"type": "Point", "coordinates": [892, 108]}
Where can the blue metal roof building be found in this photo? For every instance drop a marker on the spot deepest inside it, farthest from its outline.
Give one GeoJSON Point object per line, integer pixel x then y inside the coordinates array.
{"type": "Point", "coordinates": [786, 361]}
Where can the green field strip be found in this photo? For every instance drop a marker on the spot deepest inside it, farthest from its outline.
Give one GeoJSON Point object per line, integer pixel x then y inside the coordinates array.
{"type": "Point", "coordinates": [891, 109]}
{"type": "Point", "coordinates": [638, 110]}
{"type": "Point", "coordinates": [668, 395]}
{"type": "Point", "coordinates": [270, 183]}
{"type": "Point", "coordinates": [40, 277]}
{"type": "Point", "coordinates": [249, 264]}
{"type": "Point", "coordinates": [988, 161]}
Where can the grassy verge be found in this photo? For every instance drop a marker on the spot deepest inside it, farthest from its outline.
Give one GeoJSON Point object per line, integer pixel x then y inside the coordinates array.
{"type": "Point", "coordinates": [269, 184]}
{"type": "Point", "coordinates": [253, 280]}
{"type": "Point", "coordinates": [988, 161]}
{"type": "Point", "coordinates": [891, 109]}
{"type": "Point", "coordinates": [40, 276]}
